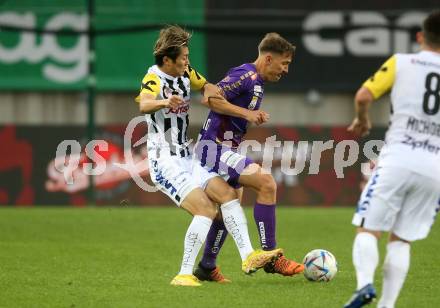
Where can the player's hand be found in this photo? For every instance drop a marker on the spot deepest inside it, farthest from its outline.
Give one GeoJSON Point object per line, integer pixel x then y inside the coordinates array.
{"type": "Point", "coordinates": [173, 102]}
{"type": "Point", "coordinates": [264, 117]}
{"type": "Point", "coordinates": [257, 117]}
{"type": "Point", "coordinates": [360, 127]}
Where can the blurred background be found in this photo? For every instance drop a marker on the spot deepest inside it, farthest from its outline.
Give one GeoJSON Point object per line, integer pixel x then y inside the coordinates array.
{"type": "Point", "coordinates": [69, 70]}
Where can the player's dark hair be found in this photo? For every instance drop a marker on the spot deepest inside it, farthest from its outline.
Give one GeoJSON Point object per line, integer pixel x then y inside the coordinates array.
{"type": "Point", "coordinates": [273, 42]}
{"type": "Point", "coordinates": [169, 44]}
{"type": "Point", "coordinates": [431, 29]}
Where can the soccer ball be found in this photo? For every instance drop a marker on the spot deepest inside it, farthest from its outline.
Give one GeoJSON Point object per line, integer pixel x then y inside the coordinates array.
{"type": "Point", "coordinates": [320, 265]}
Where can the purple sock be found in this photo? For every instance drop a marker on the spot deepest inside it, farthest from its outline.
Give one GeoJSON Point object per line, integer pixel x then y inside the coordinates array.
{"type": "Point", "coordinates": [265, 219]}
{"type": "Point", "coordinates": [214, 241]}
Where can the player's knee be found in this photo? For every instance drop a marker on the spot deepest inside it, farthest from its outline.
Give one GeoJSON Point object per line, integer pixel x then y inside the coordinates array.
{"type": "Point", "coordinates": [377, 234]}
{"type": "Point", "coordinates": [206, 208]}
{"type": "Point", "coordinates": [228, 194]}
{"type": "Point", "coordinates": [268, 184]}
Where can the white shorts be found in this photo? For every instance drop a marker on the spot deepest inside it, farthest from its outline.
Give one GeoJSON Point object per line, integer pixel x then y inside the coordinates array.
{"type": "Point", "coordinates": [177, 176]}
{"type": "Point", "coordinates": [399, 200]}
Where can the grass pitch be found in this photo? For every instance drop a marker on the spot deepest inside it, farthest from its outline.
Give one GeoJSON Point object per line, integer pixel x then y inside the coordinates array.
{"type": "Point", "coordinates": [126, 257]}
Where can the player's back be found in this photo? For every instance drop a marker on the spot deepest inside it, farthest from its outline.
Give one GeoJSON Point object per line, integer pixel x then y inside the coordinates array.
{"type": "Point", "coordinates": [413, 138]}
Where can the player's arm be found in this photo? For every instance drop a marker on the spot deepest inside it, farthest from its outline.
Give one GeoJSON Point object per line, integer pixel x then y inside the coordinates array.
{"type": "Point", "coordinates": [199, 83]}
{"type": "Point", "coordinates": [376, 86]}
{"type": "Point", "coordinates": [213, 97]}
{"type": "Point", "coordinates": [232, 86]}
{"type": "Point", "coordinates": [220, 105]}
{"type": "Point", "coordinates": [149, 104]}
{"type": "Point", "coordinates": [149, 91]}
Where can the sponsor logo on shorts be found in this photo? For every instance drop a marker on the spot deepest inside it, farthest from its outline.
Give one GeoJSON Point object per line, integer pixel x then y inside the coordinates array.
{"type": "Point", "coordinates": [160, 179]}
{"type": "Point", "coordinates": [365, 201]}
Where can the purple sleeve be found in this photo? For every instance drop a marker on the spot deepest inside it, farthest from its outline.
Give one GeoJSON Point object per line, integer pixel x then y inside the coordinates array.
{"type": "Point", "coordinates": [235, 83]}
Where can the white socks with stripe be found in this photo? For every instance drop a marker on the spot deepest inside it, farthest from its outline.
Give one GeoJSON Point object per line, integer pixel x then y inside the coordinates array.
{"type": "Point", "coordinates": [395, 268]}
{"type": "Point", "coordinates": [365, 258]}
{"type": "Point", "coordinates": [194, 239]}
{"type": "Point", "coordinates": [236, 224]}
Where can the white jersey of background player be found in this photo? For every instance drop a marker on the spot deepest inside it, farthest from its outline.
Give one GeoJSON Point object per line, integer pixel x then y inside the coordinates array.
{"type": "Point", "coordinates": [403, 194]}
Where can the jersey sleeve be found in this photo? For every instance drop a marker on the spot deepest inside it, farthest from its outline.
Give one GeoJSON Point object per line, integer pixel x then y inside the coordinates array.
{"type": "Point", "coordinates": [382, 81]}
{"type": "Point", "coordinates": [237, 83]}
{"type": "Point", "coordinates": [196, 79]}
{"type": "Point", "coordinates": [150, 85]}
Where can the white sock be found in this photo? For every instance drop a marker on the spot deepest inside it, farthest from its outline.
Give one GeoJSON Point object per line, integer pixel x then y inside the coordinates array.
{"type": "Point", "coordinates": [194, 239]}
{"type": "Point", "coordinates": [395, 268]}
{"type": "Point", "coordinates": [236, 224]}
{"type": "Point", "coordinates": [365, 258]}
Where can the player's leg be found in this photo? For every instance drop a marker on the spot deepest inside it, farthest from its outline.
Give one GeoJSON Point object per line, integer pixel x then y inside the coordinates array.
{"type": "Point", "coordinates": [228, 164]}
{"type": "Point", "coordinates": [233, 216]}
{"type": "Point", "coordinates": [395, 268]}
{"type": "Point", "coordinates": [365, 256]}
{"type": "Point", "coordinates": [207, 268]}
{"type": "Point", "coordinates": [235, 222]}
{"type": "Point", "coordinates": [173, 177]}
{"type": "Point", "coordinates": [203, 210]}
{"type": "Point", "coordinates": [413, 222]}
{"type": "Point", "coordinates": [365, 261]}
{"type": "Point", "coordinates": [214, 241]}
{"type": "Point", "coordinates": [377, 209]}
{"type": "Point", "coordinates": [264, 209]}
{"type": "Point", "coordinates": [264, 214]}
{"type": "Point", "coordinates": [239, 192]}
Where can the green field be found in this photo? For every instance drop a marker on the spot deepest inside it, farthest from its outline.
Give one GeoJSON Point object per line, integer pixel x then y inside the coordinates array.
{"type": "Point", "coordinates": [126, 257]}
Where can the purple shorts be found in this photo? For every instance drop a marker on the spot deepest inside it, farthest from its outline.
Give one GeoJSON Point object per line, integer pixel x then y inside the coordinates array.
{"type": "Point", "coordinates": [222, 159]}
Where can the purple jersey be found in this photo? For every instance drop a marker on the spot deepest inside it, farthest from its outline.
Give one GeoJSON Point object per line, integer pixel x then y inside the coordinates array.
{"type": "Point", "coordinates": [243, 87]}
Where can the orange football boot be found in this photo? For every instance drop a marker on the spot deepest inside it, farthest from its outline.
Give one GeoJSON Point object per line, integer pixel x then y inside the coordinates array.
{"type": "Point", "coordinates": [284, 266]}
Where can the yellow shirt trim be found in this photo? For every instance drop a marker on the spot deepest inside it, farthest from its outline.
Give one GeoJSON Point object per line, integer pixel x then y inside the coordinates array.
{"type": "Point", "coordinates": [196, 79]}
{"type": "Point", "coordinates": [382, 81]}
{"type": "Point", "coordinates": [150, 85]}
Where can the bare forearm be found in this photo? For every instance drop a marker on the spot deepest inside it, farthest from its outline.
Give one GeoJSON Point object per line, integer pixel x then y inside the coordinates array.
{"type": "Point", "coordinates": [222, 106]}
{"type": "Point", "coordinates": [151, 105]}
{"type": "Point", "coordinates": [361, 109]}
{"type": "Point", "coordinates": [362, 101]}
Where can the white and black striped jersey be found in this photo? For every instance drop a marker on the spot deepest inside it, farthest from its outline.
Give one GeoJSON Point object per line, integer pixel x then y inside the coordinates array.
{"type": "Point", "coordinates": [167, 128]}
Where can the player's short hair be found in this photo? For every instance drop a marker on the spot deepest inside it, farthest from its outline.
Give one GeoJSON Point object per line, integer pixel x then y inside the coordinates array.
{"type": "Point", "coordinates": [169, 43]}
{"type": "Point", "coordinates": [431, 29]}
{"type": "Point", "coordinates": [273, 42]}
